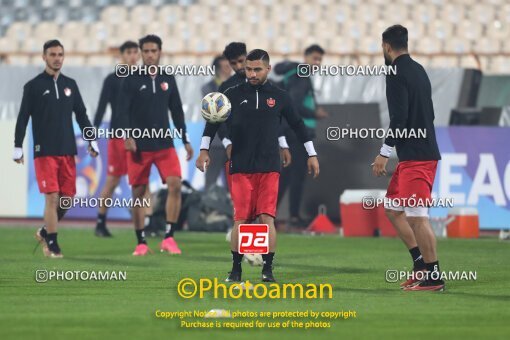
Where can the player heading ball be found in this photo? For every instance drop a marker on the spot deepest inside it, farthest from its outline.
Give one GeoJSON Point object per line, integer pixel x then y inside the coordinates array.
{"type": "Point", "coordinates": [253, 125]}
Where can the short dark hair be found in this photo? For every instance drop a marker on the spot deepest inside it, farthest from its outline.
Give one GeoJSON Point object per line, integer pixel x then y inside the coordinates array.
{"type": "Point", "coordinates": [314, 48]}
{"type": "Point", "coordinates": [396, 37]}
{"type": "Point", "coordinates": [150, 38]}
{"type": "Point", "coordinates": [127, 45]}
{"type": "Point", "coordinates": [51, 43]}
{"type": "Point", "coordinates": [216, 62]}
{"type": "Point", "coordinates": [258, 54]}
{"type": "Point", "coordinates": [234, 50]}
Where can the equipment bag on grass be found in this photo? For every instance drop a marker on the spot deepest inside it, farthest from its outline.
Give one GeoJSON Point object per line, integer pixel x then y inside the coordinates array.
{"type": "Point", "coordinates": [210, 210]}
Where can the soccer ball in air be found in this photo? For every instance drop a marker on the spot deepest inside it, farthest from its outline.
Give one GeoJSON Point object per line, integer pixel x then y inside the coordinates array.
{"type": "Point", "coordinates": [215, 107]}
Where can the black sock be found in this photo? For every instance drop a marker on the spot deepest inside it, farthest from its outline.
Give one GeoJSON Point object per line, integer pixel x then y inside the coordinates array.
{"type": "Point", "coordinates": [434, 274]}
{"type": "Point", "coordinates": [140, 235]}
{"type": "Point", "coordinates": [101, 220]}
{"type": "Point", "coordinates": [51, 241]}
{"type": "Point", "coordinates": [169, 230]}
{"type": "Point", "coordinates": [237, 259]}
{"type": "Point", "coordinates": [148, 220]}
{"type": "Point", "coordinates": [43, 232]}
{"type": "Point", "coordinates": [268, 262]}
{"type": "Point", "coordinates": [60, 213]}
{"type": "Point", "coordinates": [418, 263]}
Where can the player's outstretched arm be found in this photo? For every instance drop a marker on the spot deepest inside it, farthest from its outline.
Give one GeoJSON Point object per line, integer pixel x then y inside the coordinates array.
{"type": "Point", "coordinates": [21, 125]}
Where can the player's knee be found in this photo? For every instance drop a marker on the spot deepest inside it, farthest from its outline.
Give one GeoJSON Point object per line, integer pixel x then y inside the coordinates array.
{"type": "Point", "coordinates": [138, 191]}
{"type": "Point", "coordinates": [266, 219]}
{"type": "Point", "coordinates": [174, 186]}
{"type": "Point", "coordinates": [52, 199]}
{"type": "Point", "coordinates": [114, 181]}
{"type": "Point", "coordinates": [393, 214]}
{"type": "Point", "coordinates": [239, 222]}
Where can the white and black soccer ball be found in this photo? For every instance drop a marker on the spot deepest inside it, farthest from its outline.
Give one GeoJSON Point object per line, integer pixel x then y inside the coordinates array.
{"type": "Point", "coordinates": [215, 107]}
{"type": "Point", "coordinates": [254, 259]}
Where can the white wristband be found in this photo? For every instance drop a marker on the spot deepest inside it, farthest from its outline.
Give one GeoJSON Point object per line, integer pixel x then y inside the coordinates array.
{"type": "Point", "coordinates": [17, 154]}
{"type": "Point", "coordinates": [204, 144]}
{"type": "Point", "coordinates": [386, 150]}
{"type": "Point", "coordinates": [310, 149]}
{"type": "Point", "coordinates": [226, 142]}
{"type": "Point", "coordinates": [283, 142]}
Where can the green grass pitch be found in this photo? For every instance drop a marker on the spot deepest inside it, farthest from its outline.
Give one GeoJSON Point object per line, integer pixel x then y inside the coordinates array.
{"type": "Point", "coordinates": [354, 267]}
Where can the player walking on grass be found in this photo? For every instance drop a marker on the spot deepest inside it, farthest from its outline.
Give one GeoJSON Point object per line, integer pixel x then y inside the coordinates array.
{"type": "Point", "coordinates": [144, 104]}
{"type": "Point", "coordinates": [50, 99]}
{"type": "Point", "coordinates": [117, 154]}
{"type": "Point", "coordinates": [253, 125]}
{"type": "Point", "coordinates": [409, 98]}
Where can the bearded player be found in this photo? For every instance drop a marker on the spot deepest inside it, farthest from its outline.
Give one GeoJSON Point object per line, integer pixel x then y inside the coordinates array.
{"type": "Point", "coordinates": [409, 96]}
{"type": "Point", "coordinates": [117, 154]}
{"type": "Point", "coordinates": [144, 104]}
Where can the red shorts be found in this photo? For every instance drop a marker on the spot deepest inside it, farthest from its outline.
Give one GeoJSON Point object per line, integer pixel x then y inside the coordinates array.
{"type": "Point", "coordinates": [254, 194]}
{"type": "Point", "coordinates": [117, 155]}
{"type": "Point", "coordinates": [139, 165]}
{"type": "Point", "coordinates": [56, 174]}
{"type": "Point", "coordinates": [412, 179]}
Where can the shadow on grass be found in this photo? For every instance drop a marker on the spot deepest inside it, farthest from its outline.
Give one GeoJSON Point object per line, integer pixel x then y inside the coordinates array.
{"type": "Point", "coordinates": [105, 261]}
{"type": "Point", "coordinates": [327, 269]}
{"type": "Point", "coordinates": [455, 292]}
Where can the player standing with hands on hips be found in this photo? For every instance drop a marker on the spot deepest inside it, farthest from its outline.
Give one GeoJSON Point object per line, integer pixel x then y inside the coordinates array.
{"type": "Point", "coordinates": [253, 125]}
{"type": "Point", "coordinates": [409, 96]}
{"type": "Point", "coordinates": [50, 99]}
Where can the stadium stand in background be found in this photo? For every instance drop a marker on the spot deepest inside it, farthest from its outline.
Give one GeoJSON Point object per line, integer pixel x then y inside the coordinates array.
{"type": "Point", "coordinates": [453, 33]}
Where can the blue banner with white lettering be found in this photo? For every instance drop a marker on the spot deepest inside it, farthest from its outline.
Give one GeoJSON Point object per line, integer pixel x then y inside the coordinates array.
{"type": "Point", "coordinates": [475, 172]}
